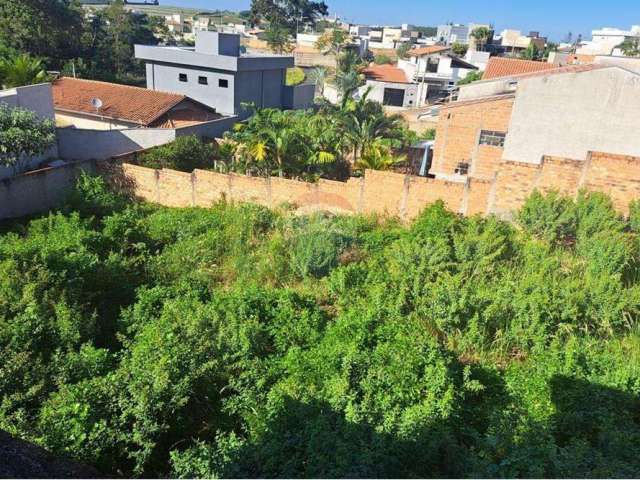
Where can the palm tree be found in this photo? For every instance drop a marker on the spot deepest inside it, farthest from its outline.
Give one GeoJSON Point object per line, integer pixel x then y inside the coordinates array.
{"type": "Point", "coordinates": [364, 122]}
{"type": "Point", "coordinates": [630, 47]}
{"type": "Point", "coordinates": [378, 156]}
{"type": "Point", "coordinates": [21, 70]}
{"type": "Point", "coordinates": [481, 35]}
{"type": "Point", "coordinates": [319, 76]}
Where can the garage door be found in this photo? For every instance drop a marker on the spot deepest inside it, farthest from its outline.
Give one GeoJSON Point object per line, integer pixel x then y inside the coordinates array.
{"type": "Point", "coordinates": [393, 97]}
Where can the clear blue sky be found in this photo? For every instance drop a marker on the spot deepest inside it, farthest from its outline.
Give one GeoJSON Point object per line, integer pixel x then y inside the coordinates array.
{"type": "Point", "coordinates": [551, 17]}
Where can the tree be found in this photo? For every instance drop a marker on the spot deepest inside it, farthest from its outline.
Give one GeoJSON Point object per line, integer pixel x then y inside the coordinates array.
{"type": "Point", "coordinates": [333, 42]}
{"type": "Point", "coordinates": [481, 35]}
{"type": "Point", "coordinates": [403, 50]}
{"type": "Point", "coordinates": [46, 29]}
{"type": "Point", "coordinates": [459, 49]}
{"type": "Point", "coordinates": [378, 156]}
{"type": "Point", "coordinates": [630, 47]}
{"type": "Point", "coordinates": [532, 52]}
{"type": "Point", "coordinates": [472, 76]}
{"type": "Point", "coordinates": [278, 39]}
{"type": "Point", "coordinates": [287, 13]}
{"type": "Point", "coordinates": [23, 135]}
{"type": "Point", "coordinates": [21, 70]}
{"type": "Point", "coordinates": [319, 76]}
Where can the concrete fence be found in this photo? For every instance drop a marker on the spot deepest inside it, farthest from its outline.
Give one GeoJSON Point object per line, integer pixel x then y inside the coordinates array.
{"type": "Point", "coordinates": [404, 196]}
{"type": "Point", "coordinates": [41, 190]}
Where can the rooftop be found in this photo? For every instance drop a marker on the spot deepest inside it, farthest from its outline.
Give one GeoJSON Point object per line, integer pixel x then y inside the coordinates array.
{"type": "Point", "coordinates": [385, 73]}
{"type": "Point", "coordinates": [119, 102]}
{"type": "Point", "coordinates": [429, 50]}
{"type": "Point", "coordinates": [505, 67]}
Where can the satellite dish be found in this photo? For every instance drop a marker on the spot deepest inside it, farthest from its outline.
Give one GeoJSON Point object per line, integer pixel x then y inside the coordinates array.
{"type": "Point", "coordinates": [97, 103]}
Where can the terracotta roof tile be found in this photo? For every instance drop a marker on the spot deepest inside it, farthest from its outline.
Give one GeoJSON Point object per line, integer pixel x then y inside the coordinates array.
{"type": "Point", "coordinates": [559, 70]}
{"type": "Point", "coordinates": [385, 73]}
{"type": "Point", "coordinates": [505, 67]}
{"type": "Point", "coordinates": [429, 50]}
{"type": "Point", "coordinates": [119, 102]}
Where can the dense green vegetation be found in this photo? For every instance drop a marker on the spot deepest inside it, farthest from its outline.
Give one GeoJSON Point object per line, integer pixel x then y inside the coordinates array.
{"type": "Point", "coordinates": [58, 33]}
{"type": "Point", "coordinates": [240, 341]}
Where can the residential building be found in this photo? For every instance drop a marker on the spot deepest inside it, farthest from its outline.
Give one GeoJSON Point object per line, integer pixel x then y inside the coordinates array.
{"type": "Point", "coordinates": [390, 86]}
{"type": "Point", "coordinates": [514, 42]}
{"type": "Point", "coordinates": [564, 112]}
{"type": "Point", "coordinates": [605, 40]}
{"type": "Point", "coordinates": [217, 74]}
{"type": "Point", "coordinates": [93, 105]}
{"type": "Point", "coordinates": [436, 71]}
{"type": "Point", "coordinates": [176, 23]}
{"type": "Point", "coordinates": [456, 33]}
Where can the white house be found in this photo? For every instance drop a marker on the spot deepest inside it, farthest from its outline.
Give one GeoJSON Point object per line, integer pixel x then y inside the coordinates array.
{"type": "Point", "coordinates": [435, 70]}
{"type": "Point", "coordinates": [605, 40]}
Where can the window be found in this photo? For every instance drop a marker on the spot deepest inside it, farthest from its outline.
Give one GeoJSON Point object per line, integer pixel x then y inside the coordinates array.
{"type": "Point", "coordinates": [462, 168]}
{"type": "Point", "coordinates": [203, 81]}
{"type": "Point", "coordinates": [495, 139]}
{"type": "Point", "coordinates": [182, 77]}
{"type": "Point", "coordinates": [223, 83]}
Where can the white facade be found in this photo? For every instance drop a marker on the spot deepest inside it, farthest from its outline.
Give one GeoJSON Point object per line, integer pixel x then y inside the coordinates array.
{"type": "Point", "coordinates": [377, 92]}
{"type": "Point", "coordinates": [567, 115]}
{"type": "Point", "coordinates": [605, 40]}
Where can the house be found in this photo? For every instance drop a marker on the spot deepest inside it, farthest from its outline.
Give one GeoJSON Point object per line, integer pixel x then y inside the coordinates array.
{"type": "Point", "coordinates": [436, 70]}
{"type": "Point", "coordinates": [514, 42]}
{"type": "Point", "coordinates": [217, 74]}
{"type": "Point", "coordinates": [564, 112]}
{"type": "Point", "coordinates": [605, 40]}
{"type": "Point", "coordinates": [123, 107]}
{"type": "Point", "coordinates": [456, 33]}
{"type": "Point", "coordinates": [389, 85]}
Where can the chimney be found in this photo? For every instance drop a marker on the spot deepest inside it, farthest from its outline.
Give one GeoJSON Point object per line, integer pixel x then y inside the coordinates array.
{"type": "Point", "coordinates": [215, 43]}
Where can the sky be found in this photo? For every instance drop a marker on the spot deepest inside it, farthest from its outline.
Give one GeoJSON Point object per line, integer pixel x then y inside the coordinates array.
{"type": "Point", "coordinates": [553, 18]}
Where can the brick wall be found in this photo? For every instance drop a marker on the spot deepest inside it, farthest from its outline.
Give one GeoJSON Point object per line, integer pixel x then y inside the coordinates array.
{"type": "Point", "coordinates": [392, 193]}
{"type": "Point", "coordinates": [458, 132]}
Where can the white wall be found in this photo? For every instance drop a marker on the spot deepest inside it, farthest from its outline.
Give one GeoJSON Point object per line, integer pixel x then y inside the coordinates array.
{"type": "Point", "coordinates": [64, 119]}
{"type": "Point", "coordinates": [570, 114]}
{"type": "Point", "coordinates": [377, 91]}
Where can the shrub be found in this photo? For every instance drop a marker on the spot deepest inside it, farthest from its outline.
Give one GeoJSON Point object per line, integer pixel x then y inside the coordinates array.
{"type": "Point", "coordinates": [295, 76]}
{"type": "Point", "coordinates": [382, 59]}
{"type": "Point", "coordinates": [551, 217]}
{"type": "Point", "coordinates": [184, 154]}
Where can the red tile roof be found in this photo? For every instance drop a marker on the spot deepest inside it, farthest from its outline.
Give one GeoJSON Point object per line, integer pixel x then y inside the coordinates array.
{"type": "Point", "coordinates": [559, 70]}
{"type": "Point", "coordinates": [505, 67]}
{"type": "Point", "coordinates": [119, 102]}
{"type": "Point", "coordinates": [385, 73]}
{"type": "Point", "coordinates": [429, 50]}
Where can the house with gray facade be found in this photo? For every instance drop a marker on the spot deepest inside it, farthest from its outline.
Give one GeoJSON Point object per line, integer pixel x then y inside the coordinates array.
{"type": "Point", "coordinates": [217, 74]}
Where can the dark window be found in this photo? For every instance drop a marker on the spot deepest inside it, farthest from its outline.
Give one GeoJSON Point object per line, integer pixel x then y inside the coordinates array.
{"type": "Point", "coordinates": [393, 97]}
{"type": "Point", "coordinates": [182, 77]}
{"type": "Point", "coordinates": [203, 81]}
{"type": "Point", "coordinates": [223, 83]}
{"type": "Point", "coordinates": [495, 139]}
{"type": "Point", "coordinates": [462, 168]}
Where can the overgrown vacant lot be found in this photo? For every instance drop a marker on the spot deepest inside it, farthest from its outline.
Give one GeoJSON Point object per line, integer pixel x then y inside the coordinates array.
{"type": "Point", "coordinates": [240, 341]}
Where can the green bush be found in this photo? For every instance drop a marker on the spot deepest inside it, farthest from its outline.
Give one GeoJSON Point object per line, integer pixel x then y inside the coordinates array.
{"type": "Point", "coordinates": [382, 59]}
{"type": "Point", "coordinates": [295, 76]}
{"type": "Point", "coordinates": [184, 154]}
{"type": "Point", "coordinates": [238, 341]}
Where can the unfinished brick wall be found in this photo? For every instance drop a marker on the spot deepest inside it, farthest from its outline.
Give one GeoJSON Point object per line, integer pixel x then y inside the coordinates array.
{"type": "Point", "coordinates": [458, 132]}
{"type": "Point", "coordinates": [391, 193]}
